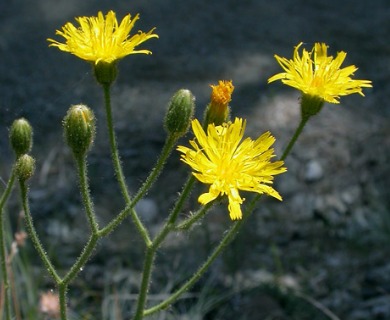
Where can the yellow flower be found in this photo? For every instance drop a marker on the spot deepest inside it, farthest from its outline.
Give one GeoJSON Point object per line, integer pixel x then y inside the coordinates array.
{"type": "Point", "coordinates": [221, 161]}
{"type": "Point", "coordinates": [317, 74]}
{"type": "Point", "coordinates": [221, 94]}
{"type": "Point", "coordinates": [217, 110]}
{"type": "Point", "coordinates": [102, 39]}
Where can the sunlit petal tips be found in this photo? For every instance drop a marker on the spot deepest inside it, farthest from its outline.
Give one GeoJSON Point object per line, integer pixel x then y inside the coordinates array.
{"type": "Point", "coordinates": [102, 38]}
{"type": "Point", "coordinates": [317, 74]}
{"type": "Point", "coordinates": [220, 159]}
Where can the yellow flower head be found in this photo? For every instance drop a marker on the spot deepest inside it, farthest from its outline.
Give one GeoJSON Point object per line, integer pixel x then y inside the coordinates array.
{"type": "Point", "coordinates": [221, 160]}
{"type": "Point", "coordinates": [102, 39]}
{"type": "Point", "coordinates": [317, 74]}
{"type": "Point", "coordinates": [222, 93]}
{"type": "Point", "coordinates": [217, 110]}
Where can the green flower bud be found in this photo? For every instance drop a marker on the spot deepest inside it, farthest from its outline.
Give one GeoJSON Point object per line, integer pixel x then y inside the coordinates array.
{"type": "Point", "coordinates": [180, 112]}
{"type": "Point", "coordinates": [21, 137]}
{"type": "Point", "coordinates": [25, 167]}
{"type": "Point", "coordinates": [105, 72]}
{"type": "Point", "coordinates": [79, 129]}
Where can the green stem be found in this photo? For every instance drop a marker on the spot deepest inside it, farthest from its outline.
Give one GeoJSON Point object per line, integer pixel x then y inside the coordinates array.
{"type": "Point", "coordinates": [152, 249]}
{"type": "Point", "coordinates": [84, 188]}
{"type": "Point", "coordinates": [186, 224]}
{"type": "Point", "coordinates": [166, 151]}
{"type": "Point", "coordinates": [113, 144]}
{"type": "Point", "coordinates": [183, 196]}
{"type": "Point", "coordinates": [82, 259]}
{"type": "Point", "coordinates": [190, 282]}
{"type": "Point", "coordinates": [294, 138]}
{"type": "Point", "coordinates": [147, 271]}
{"type": "Point", "coordinates": [3, 250]}
{"type": "Point", "coordinates": [62, 289]}
{"type": "Point", "coordinates": [34, 236]}
{"type": "Point", "coordinates": [117, 164]}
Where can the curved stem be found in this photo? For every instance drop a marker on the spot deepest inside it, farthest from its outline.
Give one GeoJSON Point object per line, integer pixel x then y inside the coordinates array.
{"type": "Point", "coordinates": [33, 234]}
{"type": "Point", "coordinates": [117, 164]}
{"type": "Point", "coordinates": [3, 250]}
{"type": "Point", "coordinates": [82, 259]}
{"type": "Point", "coordinates": [152, 249]}
{"type": "Point", "coordinates": [187, 223]}
{"type": "Point", "coordinates": [294, 138]}
{"type": "Point", "coordinates": [229, 236]}
{"type": "Point", "coordinates": [180, 201]}
{"type": "Point", "coordinates": [84, 188]}
{"type": "Point", "coordinates": [166, 151]}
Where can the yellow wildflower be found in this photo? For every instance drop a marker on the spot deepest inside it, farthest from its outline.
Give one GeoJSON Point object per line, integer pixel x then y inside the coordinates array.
{"type": "Point", "coordinates": [221, 94]}
{"type": "Point", "coordinates": [102, 39]}
{"type": "Point", "coordinates": [317, 74]}
{"type": "Point", "coordinates": [217, 110]}
{"type": "Point", "coordinates": [220, 160]}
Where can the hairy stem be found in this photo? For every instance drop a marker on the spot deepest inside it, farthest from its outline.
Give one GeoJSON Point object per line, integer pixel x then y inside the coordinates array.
{"type": "Point", "coordinates": [3, 250]}
{"type": "Point", "coordinates": [117, 164]}
{"type": "Point", "coordinates": [84, 188]}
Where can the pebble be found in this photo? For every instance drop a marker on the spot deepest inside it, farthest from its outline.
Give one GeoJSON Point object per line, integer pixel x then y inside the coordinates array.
{"type": "Point", "coordinates": [147, 209]}
{"type": "Point", "coordinates": [313, 171]}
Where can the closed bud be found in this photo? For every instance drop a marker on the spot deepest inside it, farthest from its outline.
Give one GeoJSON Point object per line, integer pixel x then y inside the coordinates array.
{"type": "Point", "coordinates": [25, 167]}
{"type": "Point", "coordinates": [105, 72]}
{"type": "Point", "coordinates": [21, 137]}
{"type": "Point", "coordinates": [79, 129]}
{"type": "Point", "coordinates": [180, 112]}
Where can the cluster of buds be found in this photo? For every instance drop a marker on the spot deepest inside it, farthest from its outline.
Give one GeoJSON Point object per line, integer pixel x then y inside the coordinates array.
{"type": "Point", "coordinates": [21, 141]}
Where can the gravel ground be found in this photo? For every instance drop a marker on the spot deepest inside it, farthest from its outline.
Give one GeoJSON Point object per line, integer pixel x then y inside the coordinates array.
{"type": "Point", "coordinates": [331, 233]}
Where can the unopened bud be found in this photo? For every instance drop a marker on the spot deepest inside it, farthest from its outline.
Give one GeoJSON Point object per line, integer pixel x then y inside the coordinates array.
{"type": "Point", "coordinates": [21, 137]}
{"type": "Point", "coordinates": [180, 112]}
{"type": "Point", "coordinates": [79, 128]}
{"type": "Point", "coordinates": [25, 167]}
{"type": "Point", "coordinates": [105, 72]}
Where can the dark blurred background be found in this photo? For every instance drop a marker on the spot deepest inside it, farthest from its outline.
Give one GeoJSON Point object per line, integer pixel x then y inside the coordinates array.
{"type": "Point", "coordinates": [324, 248]}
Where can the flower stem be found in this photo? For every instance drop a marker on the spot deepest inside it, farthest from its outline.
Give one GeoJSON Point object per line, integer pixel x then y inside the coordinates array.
{"type": "Point", "coordinates": [117, 164]}
{"type": "Point", "coordinates": [113, 144]}
{"type": "Point", "coordinates": [180, 201]}
{"type": "Point", "coordinates": [3, 251]}
{"type": "Point", "coordinates": [187, 223]}
{"type": "Point", "coordinates": [229, 236]}
{"type": "Point", "coordinates": [34, 236]}
{"type": "Point", "coordinates": [62, 289]}
{"type": "Point", "coordinates": [294, 138]}
{"type": "Point", "coordinates": [84, 188]}
{"type": "Point", "coordinates": [82, 259]}
{"type": "Point", "coordinates": [147, 271]}
{"type": "Point", "coordinates": [166, 151]}
{"type": "Point", "coordinates": [152, 249]}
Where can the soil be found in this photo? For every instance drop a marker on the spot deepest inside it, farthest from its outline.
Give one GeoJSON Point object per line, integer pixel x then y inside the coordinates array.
{"type": "Point", "coordinates": [321, 253]}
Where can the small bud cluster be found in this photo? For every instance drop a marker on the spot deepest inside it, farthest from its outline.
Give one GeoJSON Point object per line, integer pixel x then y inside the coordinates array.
{"type": "Point", "coordinates": [21, 141]}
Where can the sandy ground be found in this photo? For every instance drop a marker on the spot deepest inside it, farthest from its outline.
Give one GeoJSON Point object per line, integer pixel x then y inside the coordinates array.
{"type": "Point", "coordinates": [336, 192]}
